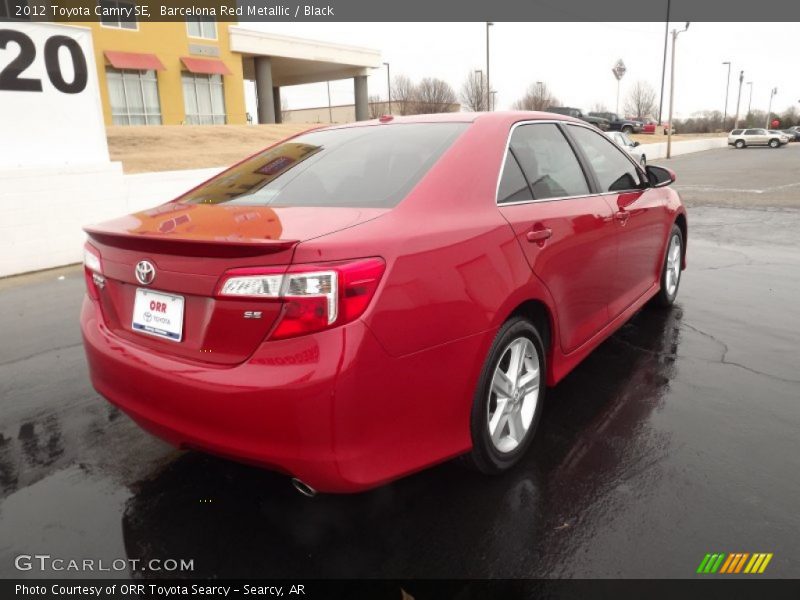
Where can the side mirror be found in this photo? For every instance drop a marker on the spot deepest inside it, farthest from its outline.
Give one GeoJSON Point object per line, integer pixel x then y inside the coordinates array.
{"type": "Point", "coordinates": [659, 176]}
{"type": "Point", "coordinates": [635, 144]}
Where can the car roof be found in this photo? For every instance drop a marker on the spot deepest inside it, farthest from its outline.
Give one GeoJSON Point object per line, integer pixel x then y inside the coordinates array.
{"type": "Point", "coordinates": [501, 118]}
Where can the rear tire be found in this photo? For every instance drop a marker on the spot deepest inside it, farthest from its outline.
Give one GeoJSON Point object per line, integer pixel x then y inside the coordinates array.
{"type": "Point", "coordinates": [740, 144]}
{"type": "Point", "coordinates": [671, 270]}
{"type": "Point", "coordinates": [509, 398]}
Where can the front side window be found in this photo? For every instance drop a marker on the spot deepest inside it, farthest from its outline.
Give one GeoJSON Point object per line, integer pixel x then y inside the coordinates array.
{"type": "Point", "coordinates": [614, 171]}
{"type": "Point", "coordinates": [372, 166]}
{"type": "Point", "coordinates": [115, 13]}
{"type": "Point", "coordinates": [204, 99]}
{"type": "Point", "coordinates": [548, 162]}
{"type": "Point", "coordinates": [133, 96]}
{"type": "Point", "coordinates": [203, 27]}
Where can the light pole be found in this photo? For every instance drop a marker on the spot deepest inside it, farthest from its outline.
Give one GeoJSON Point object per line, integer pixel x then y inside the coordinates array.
{"type": "Point", "coordinates": [330, 110]}
{"type": "Point", "coordinates": [664, 64]}
{"type": "Point", "coordinates": [389, 86]}
{"type": "Point", "coordinates": [750, 100]}
{"type": "Point", "coordinates": [772, 93]}
{"type": "Point", "coordinates": [727, 88]}
{"type": "Point", "coordinates": [494, 98]}
{"type": "Point", "coordinates": [488, 85]}
{"type": "Point", "coordinates": [675, 34]}
{"type": "Point", "coordinates": [738, 100]}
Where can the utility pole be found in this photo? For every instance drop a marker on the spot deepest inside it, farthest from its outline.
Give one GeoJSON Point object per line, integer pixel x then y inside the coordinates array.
{"type": "Point", "coordinates": [618, 70]}
{"type": "Point", "coordinates": [675, 34]}
{"type": "Point", "coordinates": [482, 98]}
{"type": "Point", "coordinates": [738, 99]}
{"type": "Point", "coordinates": [772, 93]}
{"type": "Point", "coordinates": [494, 99]}
{"type": "Point", "coordinates": [330, 110]}
{"type": "Point", "coordinates": [750, 101]}
{"type": "Point", "coordinates": [727, 88]}
{"type": "Point", "coordinates": [389, 86]}
{"type": "Point", "coordinates": [488, 85]}
{"type": "Point", "coordinates": [663, 64]}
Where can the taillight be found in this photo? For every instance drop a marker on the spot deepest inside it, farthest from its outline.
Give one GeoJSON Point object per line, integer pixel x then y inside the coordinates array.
{"type": "Point", "coordinates": [315, 296]}
{"type": "Point", "coordinates": [93, 270]}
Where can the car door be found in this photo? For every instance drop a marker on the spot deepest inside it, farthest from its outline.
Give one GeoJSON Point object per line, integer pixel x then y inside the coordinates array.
{"type": "Point", "coordinates": [565, 231]}
{"type": "Point", "coordinates": [639, 217]}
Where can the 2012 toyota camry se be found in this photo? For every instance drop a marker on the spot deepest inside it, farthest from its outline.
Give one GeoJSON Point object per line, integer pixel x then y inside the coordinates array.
{"type": "Point", "coordinates": [359, 302]}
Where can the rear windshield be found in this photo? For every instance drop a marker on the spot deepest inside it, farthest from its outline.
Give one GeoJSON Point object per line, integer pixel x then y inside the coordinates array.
{"type": "Point", "coordinates": [373, 166]}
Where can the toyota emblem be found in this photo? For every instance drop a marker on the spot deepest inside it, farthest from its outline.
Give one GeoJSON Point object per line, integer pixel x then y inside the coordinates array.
{"type": "Point", "coordinates": [145, 272]}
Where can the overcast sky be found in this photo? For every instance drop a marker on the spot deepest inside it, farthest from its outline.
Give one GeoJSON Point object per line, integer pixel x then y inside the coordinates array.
{"type": "Point", "coordinates": [574, 59]}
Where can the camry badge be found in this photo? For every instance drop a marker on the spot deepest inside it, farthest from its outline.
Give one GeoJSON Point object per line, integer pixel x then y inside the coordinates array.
{"type": "Point", "coordinates": [145, 272]}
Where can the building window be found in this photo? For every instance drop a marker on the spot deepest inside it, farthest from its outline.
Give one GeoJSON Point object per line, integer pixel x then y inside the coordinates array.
{"type": "Point", "coordinates": [203, 27]}
{"type": "Point", "coordinates": [114, 14]}
{"type": "Point", "coordinates": [204, 99]}
{"type": "Point", "coordinates": [134, 97]}
{"type": "Point", "coordinates": [10, 8]}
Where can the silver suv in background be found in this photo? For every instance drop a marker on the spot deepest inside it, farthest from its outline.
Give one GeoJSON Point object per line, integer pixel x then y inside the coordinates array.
{"type": "Point", "coordinates": [741, 138]}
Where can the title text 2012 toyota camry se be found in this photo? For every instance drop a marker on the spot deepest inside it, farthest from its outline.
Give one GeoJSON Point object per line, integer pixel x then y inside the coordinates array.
{"type": "Point", "coordinates": [359, 302]}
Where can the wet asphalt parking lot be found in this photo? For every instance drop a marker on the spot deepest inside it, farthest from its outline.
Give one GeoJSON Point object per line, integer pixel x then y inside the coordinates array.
{"type": "Point", "coordinates": [679, 436]}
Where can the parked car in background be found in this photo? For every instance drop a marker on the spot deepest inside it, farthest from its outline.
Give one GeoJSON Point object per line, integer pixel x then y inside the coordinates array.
{"type": "Point", "coordinates": [599, 122]}
{"type": "Point", "coordinates": [741, 138]}
{"type": "Point", "coordinates": [649, 126]}
{"type": "Point", "coordinates": [635, 149]}
{"type": "Point", "coordinates": [783, 136]}
{"type": "Point", "coordinates": [792, 134]}
{"type": "Point", "coordinates": [616, 123]}
{"type": "Point", "coordinates": [280, 314]}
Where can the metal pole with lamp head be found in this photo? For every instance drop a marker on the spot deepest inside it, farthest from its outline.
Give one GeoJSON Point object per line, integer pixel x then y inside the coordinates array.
{"type": "Point", "coordinates": [738, 100]}
{"type": "Point", "coordinates": [488, 85]}
{"type": "Point", "coordinates": [772, 93]}
{"type": "Point", "coordinates": [675, 34]}
{"type": "Point", "coordinates": [727, 88]}
{"type": "Point", "coordinates": [389, 86]}
{"type": "Point", "coordinates": [750, 100]}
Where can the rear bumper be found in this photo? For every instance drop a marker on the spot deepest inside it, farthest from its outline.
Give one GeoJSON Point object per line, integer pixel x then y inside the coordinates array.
{"type": "Point", "coordinates": [332, 409]}
{"type": "Point", "coordinates": [273, 410]}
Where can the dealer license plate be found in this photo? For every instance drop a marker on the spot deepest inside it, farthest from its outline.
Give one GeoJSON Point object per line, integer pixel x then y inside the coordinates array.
{"type": "Point", "coordinates": [158, 314]}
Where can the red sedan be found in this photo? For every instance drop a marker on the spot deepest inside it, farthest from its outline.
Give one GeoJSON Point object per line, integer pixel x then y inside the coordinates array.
{"type": "Point", "coordinates": [360, 302]}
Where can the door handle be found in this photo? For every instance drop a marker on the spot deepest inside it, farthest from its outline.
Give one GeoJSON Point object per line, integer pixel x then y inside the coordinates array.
{"type": "Point", "coordinates": [622, 216]}
{"type": "Point", "coordinates": [539, 235]}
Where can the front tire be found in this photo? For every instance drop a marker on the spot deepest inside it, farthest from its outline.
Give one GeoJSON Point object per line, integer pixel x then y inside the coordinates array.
{"type": "Point", "coordinates": [627, 129]}
{"type": "Point", "coordinates": [774, 143]}
{"type": "Point", "coordinates": [671, 270]}
{"type": "Point", "coordinates": [509, 398]}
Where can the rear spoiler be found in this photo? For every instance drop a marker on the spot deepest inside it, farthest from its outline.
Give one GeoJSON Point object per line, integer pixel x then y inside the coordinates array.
{"type": "Point", "coordinates": [190, 246]}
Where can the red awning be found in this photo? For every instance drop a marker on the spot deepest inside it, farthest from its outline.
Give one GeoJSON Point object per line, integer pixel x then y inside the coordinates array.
{"type": "Point", "coordinates": [208, 66]}
{"type": "Point", "coordinates": [134, 60]}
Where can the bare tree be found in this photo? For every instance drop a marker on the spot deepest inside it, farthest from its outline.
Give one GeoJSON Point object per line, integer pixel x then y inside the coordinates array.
{"type": "Point", "coordinates": [377, 107]}
{"type": "Point", "coordinates": [641, 100]}
{"type": "Point", "coordinates": [473, 92]}
{"type": "Point", "coordinates": [404, 94]}
{"type": "Point", "coordinates": [434, 96]}
{"type": "Point", "coordinates": [537, 97]}
{"type": "Point", "coordinates": [599, 107]}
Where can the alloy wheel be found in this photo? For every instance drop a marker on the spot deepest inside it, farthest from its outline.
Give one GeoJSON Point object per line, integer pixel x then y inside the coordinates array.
{"type": "Point", "coordinates": [673, 273]}
{"type": "Point", "coordinates": [513, 395]}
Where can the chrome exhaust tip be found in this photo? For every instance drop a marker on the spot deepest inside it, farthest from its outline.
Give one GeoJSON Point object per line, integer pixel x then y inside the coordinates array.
{"type": "Point", "coordinates": [303, 488]}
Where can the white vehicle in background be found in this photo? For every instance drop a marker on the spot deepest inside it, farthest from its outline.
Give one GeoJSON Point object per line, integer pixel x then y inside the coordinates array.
{"type": "Point", "coordinates": [741, 138]}
{"type": "Point", "coordinates": [627, 144]}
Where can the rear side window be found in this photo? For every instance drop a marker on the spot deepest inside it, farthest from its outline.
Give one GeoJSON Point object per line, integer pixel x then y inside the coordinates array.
{"type": "Point", "coordinates": [550, 166]}
{"type": "Point", "coordinates": [513, 185]}
{"type": "Point", "coordinates": [372, 166]}
{"type": "Point", "coordinates": [736, 132]}
{"type": "Point", "coordinates": [614, 171]}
